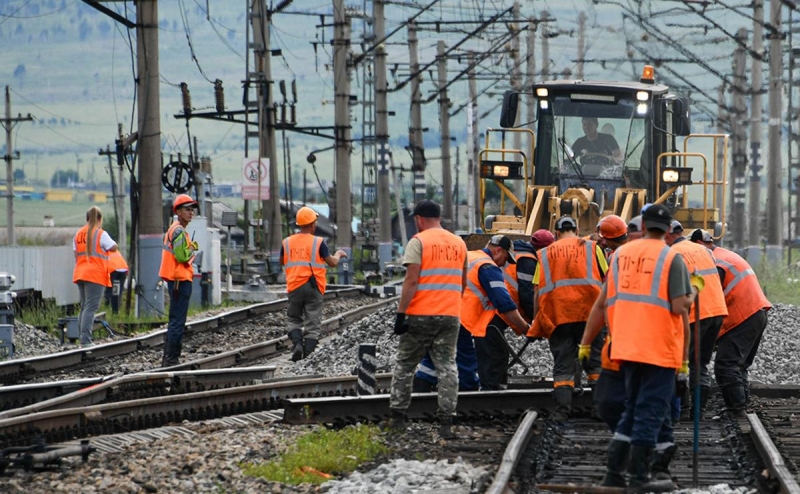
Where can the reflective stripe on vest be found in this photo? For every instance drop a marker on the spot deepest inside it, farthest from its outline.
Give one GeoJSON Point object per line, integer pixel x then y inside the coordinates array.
{"type": "Point", "coordinates": [653, 298]}
{"type": "Point", "coordinates": [510, 280]}
{"type": "Point", "coordinates": [453, 287]}
{"type": "Point", "coordinates": [738, 276]}
{"type": "Point", "coordinates": [90, 266]}
{"type": "Point", "coordinates": [548, 286]}
{"type": "Point", "coordinates": [441, 274]}
{"type": "Point", "coordinates": [312, 262]}
{"type": "Point", "coordinates": [476, 308]}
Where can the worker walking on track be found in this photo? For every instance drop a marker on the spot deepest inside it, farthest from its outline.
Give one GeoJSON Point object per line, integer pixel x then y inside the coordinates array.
{"type": "Point", "coordinates": [567, 281]}
{"type": "Point", "coordinates": [428, 314]}
{"type": "Point", "coordinates": [91, 246]}
{"type": "Point", "coordinates": [305, 259]}
{"type": "Point", "coordinates": [699, 260]}
{"type": "Point", "coordinates": [742, 329]}
{"type": "Point", "coordinates": [176, 269]}
{"type": "Point", "coordinates": [647, 281]}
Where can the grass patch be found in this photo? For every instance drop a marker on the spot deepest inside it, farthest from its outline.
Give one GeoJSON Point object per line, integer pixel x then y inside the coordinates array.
{"type": "Point", "coordinates": [321, 454]}
{"type": "Point", "coordinates": [43, 314]}
{"type": "Point", "coordinates": [781, 285]}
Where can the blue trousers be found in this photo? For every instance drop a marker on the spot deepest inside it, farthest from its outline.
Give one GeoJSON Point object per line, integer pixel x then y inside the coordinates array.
{"type": "Point", "coordinates": [466, 361]}
{"type": "Point", "coordinates": [179, 294]}
{"type": "Point", "coordinates": [649, 393]}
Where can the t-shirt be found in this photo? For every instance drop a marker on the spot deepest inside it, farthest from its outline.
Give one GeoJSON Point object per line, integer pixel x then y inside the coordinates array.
{"type": "Point", "coordinates": [604, 144]}
{"type": "Point", "coordinates": [413, 253]}
{"type": "Point", "coordinates": [105, 242]}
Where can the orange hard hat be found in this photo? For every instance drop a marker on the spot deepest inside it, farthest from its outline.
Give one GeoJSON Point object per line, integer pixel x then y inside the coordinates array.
{"type": "Point", "coordinates": [612, 227]}
{"type": "Point", "coordinates": [305, 216]}
{"type": "Point", "coordinates": [182, 200]}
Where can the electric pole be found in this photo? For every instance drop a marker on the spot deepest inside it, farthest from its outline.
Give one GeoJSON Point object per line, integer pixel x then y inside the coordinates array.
{"type": "Point", "coordinates": [444, 122]}
{"type": "Point", "coordinates": [473, 192]}
{"type": "Point", "coordinates": [721, 117]}
{"type": "Point", "coordinates": [341, 89]}
{"type": "Point", "coordinates": [382, 138]}
{"type": "Point", "coordinates": [415, 131]}
{"type": "Point", "coordinates": [738, 121]}
{"type": "Point", "coordinates": [774, 196]}
{"type": "Point", "coordinates": [545, 46]}
{"type": "Point", "coordinates": [530, 68]}
{"type": "Point", "coordinates": [516, 85]}
{"type": "Point", "coordinates": [581, 44]}
{"type": "Point", "coordinates": [755, 124]}
{"type": "Point", "coordinates": [8, 124]}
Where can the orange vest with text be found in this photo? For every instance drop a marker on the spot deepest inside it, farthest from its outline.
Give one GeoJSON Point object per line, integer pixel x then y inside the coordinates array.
{"type": "Point", "coordinates": [116, 262]}
{"type": "Point", "coordinates": [638, 306]}
{"type": "Point", "coordinates": [476, 308]}
{"type": "Point", "coordinates": [93, 267]}
{"type": "Point", "coordinates": [171, 269]}
{"type": "Point", "coordinates": [440, 276]}
{"type": "Point", "coordinates": [700, 260]}
{"type": "Point", "coordinates": [743, 294]}
{"type": "Point", "coordinates": [569, 283]}
{"type": "Point", "coordinates": [511, 279]}
{"type": "Point", "coordinates": [301, 261]}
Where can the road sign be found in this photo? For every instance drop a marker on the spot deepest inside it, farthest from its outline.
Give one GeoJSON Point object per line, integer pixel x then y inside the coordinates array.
{"type": "Point", "coordinates": [255, 171]}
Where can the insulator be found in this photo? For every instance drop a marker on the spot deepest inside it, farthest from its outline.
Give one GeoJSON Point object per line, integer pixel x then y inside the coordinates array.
{"type": "Point", "coordinates": [262, 65]}
{"type": "Point", "coordinates": [293, 121]}
{"type": "Point", "coordinates": [282, 86]}
{"type": "Point", "coordinates": [187, 99]}
{"type": "Point", "coordinates": [294, 91]}
{"type": "Point", "coordinates": [283, 113]}
{"type": "Point", "coordinates": [219, 96]}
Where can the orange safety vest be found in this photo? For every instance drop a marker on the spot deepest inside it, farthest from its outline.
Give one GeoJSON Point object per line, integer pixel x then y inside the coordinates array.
{"type": "Point", "coordinates": [91, 268]}
{"type": "Point", "coordinates": [700, 260]}
{"type": "Point", "coordinates": [116, 262]}
{"type": "Point", "coordinates": [743, 294]}
{"type": "Point", "coordinates": [171, 269]}
{"type": "Point", "coordinates": [301, 261]}
{"type": "Point", "coordinates": [476, 308]}
{"type": "Point", "coordinates": [440, 276]}
{"type": "Point", "coordinates": [512, 279]}
{"type": "Point", "coordinates": [638, 306]}
{"type": "Point", "coordinates": [605, 357]}
{"type": "Point", "coordinates": [569, 283]}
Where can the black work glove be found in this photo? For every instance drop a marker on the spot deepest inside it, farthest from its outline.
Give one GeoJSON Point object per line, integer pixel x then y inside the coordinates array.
{"type": "Point", "coordinates": [400, 324]}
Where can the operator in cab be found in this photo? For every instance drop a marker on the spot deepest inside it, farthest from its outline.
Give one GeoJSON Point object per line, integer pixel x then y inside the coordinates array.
{"type": "Point", "coordinates": [596, 148]}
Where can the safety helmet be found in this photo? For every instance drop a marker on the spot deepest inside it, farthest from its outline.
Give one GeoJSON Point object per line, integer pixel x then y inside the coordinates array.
{"type": "Point", "coordinates": [305, 216]}
{"type": "Point", "coordinates": [182, 200]}
{"type": "Point", "coordinates": [612, 227]}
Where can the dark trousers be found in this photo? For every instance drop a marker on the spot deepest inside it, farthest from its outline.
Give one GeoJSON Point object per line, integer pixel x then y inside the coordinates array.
{"type": "Point", "coordinates": [737, 349]}
{"type": "Point", "coordinates": [709, 330]}
{"type": "Point", "coordinates": [113, 294]}
{"type": "Point", "coordinates": [466, 361]}
{"type": "Point", "coordinates": [564, 346]}
{"type": "Point", "coordinates": [180, 292]}
{"type": "Point", "coordinates": [492, 353]}
{"type": "Point", "coordinates": [649, 390]}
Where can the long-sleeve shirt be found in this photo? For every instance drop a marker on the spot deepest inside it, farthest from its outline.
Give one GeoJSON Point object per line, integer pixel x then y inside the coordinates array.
{"type": "Point", "coordinates": [491, 279]}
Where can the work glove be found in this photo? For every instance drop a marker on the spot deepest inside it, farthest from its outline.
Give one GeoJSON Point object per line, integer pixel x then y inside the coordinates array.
{"type": "Point", "coordinates": [683, 372]}
{"type": "Point", "coordinates": [400, 324]}
{"type": "Point", "coordinates": [194, 245]}
{"type": "Point", "coordinates": [583, 352]}
{"type": "Point", "coordinates": [697, 281]}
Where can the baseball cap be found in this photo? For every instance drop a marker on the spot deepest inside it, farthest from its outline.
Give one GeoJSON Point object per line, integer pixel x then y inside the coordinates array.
{"type": "Point", "coordinates": [657, 217]}
{"type": "Point", "coordinates": [702, 236]}
{"type": "Point", "coordinates": [566, 222]}
{"type": "Point", "coordinates": [542, 238]}
{"type": "Point", "coordinates": [505, 243]}
{"type": "Point", "coordinates": [427, 209]}
{"type": "Point", "coordinates": [635, 224]}
{"type": "Point", "coordinates": [675, 226]}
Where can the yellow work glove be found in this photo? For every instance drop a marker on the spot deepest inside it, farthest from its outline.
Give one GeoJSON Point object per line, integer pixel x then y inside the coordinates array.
{"type": "Point", "coordinates": [195, 245]}
{"type": "Point", "coordinates": [583, 352]}
{"type": "Point", "coordinates": [697, 281]}
{"type": "Point", "coordinates": [683, 372]}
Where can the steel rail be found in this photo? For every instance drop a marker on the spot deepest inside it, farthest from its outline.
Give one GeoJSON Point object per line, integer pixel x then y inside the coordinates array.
{"type": "Point", "coordinates": [514, 450]}
{"type": "Point", "coordinates": [771, 456]}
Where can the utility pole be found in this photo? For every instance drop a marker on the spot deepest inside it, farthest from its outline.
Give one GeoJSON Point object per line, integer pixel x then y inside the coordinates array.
{"type": "Point", "coordinates": [122, 224]}
{"type": "Point", "coordinates": [457, 202]}
{"type": "Point", "coordinates": [721, 119]}
{"type": "Point", "coordinates": [755, 124]}
{"type": "Point", "coordinates": [581, 44]}
{"type": "Point", "coordinates": [473, 180]}
{"type": "Point", "coordinates": [545, 46]}
{"type": "Point", "coordinates": [775, 168]}
{"type": "Point", "coordinates": [8, 124]}
{"type": "Point", "coordinates": [382, 137]}
{"type": "Point", "coordinates": [516, 85]}
{"type": "Point", "coordinates": [530, 67]}
{"type": "Point", "coordinates": [151, 223]}
{"type": "Point", "coordinates": [738, 120]}
{"type": "Point", "coordinates": [444, 122]}
{"type": "Point", "coordinates": [415, 131]}
{"type": "Point", "coordinates": [341, 89]}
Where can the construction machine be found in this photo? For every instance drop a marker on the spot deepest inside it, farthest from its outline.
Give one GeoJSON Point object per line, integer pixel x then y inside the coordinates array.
{"type": "Point", "coordinates": [601, 148]}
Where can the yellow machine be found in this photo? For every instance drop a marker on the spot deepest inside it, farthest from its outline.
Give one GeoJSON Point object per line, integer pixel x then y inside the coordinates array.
{"type": "Point", "coordinates": [603, 148]}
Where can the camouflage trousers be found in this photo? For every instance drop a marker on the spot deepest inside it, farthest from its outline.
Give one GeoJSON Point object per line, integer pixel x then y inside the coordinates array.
{"type": "Point", "coordinates": [437, 335]}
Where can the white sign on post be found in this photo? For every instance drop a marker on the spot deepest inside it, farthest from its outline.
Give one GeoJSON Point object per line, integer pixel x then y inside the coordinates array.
{"type": "Point", "coordinates": [255, 171]}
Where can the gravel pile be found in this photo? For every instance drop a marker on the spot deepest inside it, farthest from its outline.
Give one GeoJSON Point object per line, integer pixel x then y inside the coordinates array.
{"type": "Point", "coordinates": [776, 361]}
{"type": "Point", "coordinates": [30, 341]}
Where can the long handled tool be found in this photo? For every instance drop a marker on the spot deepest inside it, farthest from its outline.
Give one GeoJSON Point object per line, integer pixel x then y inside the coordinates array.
{"type": "Point", "coordinates": [517, 355]}
{"type": "Point", "coordinates": [696, 446]}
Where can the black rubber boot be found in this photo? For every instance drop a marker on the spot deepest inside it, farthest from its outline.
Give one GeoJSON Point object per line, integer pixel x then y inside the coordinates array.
{"type": "Point", "coordinates": [296, 337]}
{"type": "Point", "coordinates": [165, 357]}
{"type": "Point", "coordinates": [563, 398]}
{"type": "Point", "coordinates": [446, 428]}
{"type": "Point", "coordinates": [617, 464]}
{"type": "Point", "coordinates": [396, 422]}
{"type": "Point", "coordinates": [735, 400]}
{"type": "Point", "coordinates": [640, 481]}
{"type": "Point", "coordinates": [173, 357]}
{"type": "Point", "coordinates": [705, 393]}
{"type": "Point", "coordinates": [660, 469]}
{"type": "Point", "coordinates": [309, 345]}
{"type": "Point", "coordinates": [421, 385]}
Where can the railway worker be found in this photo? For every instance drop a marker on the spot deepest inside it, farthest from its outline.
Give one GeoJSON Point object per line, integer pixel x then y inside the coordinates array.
{"type": "Point", "coordinates": [742, 329]}
{"type": "Point", "coordinates": [612, 232]}
{"type": "Point", "coordinates": [428, 314]}
{"type": "Point", "coordinates": [519, 276]}
{"type": "Point", "coordinates": [176, 269]}
{"type": "Point", "coordinates": [305, 259]}
{"type": "Point", "coordinates": [567, 281]}
{"type": "Point", "coordinates": [711, 300]}
{"type": "Point", "coordinates": [91, 247]}
{"type": "Point", "coordinates": [647, 281]}
{"type": "Point", "coordinates": [117, 271]}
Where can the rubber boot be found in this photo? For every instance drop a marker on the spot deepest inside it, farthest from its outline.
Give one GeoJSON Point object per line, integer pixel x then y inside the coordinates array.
{"type": "Point", "coordinates": [396, 422]}
{"type": "Point", "coordinates": [660, 468]}
{"type": "Point", "coordinates": [735, 400]}
{"type": "Point", "coordinates": [296, 337]}
{"type": "Point", "coordinates": [309, 345]}
{"type": "Point", "coordinates": [421, 385]}
{"type": "Point", "coordinates": [617, 464]}
{"type": "Point", "coordinates": [173, 357]}
{"type": "Point", "coordinates": [446, 428]}
{"type": "Point", "coordinates": [167, 351]}
{"type": "Point", "coordinates": [563, 398]}
{"type": "Point", "coordinates": [705, 393]}
{"type": "Point", "coordinates": [640, 481]}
